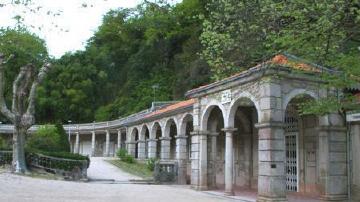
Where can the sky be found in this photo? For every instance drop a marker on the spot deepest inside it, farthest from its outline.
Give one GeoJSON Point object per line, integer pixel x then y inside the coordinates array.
{"type": "Point", "coordinates": [65, 25]}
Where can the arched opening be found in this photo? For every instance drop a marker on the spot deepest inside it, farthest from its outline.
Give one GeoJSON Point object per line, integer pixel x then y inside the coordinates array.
{"type": "Point", "coordinates": [156, 129]}
{"type": "Point", "coordinates": [216, 147]}
{"type": "Point", "coordinates": [136, 138]}
{"type": "Point", "coordinates": [243, 116]}
{"type": "Point", "coordinates": [188, 128]}
{"type": "Point", "coordinates": [171, 130]}
{"type": "Point", "coordinates": [301, 147]}
{"type": "Point", "coordinates": [144, 137]}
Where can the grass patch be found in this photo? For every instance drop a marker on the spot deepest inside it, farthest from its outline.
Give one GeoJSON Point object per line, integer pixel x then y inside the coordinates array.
{"type": "Point", "coordinates": [138, 169]}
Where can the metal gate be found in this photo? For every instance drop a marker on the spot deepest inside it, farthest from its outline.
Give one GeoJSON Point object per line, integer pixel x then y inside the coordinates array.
{"type": "Point", "coordinates": [291, 144]}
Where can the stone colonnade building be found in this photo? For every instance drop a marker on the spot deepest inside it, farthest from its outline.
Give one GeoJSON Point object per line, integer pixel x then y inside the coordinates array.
{"type": "Point", "coordinates": [243, 133]}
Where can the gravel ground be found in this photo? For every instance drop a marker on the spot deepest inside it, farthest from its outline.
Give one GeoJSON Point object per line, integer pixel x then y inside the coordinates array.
{"type": "Point", "coordinates": [14, 188]}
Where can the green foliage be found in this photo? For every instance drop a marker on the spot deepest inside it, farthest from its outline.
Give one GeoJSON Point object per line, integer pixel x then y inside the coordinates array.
{"type": "Point", "coordinates": [25, 48]}
{"type": "Point", "coordinates": [132, 50]}
{"type": "Point", "coordinates": [4, 145]}
{"type": "Point", "coordinates": [121, 153]}
{"type": "Point", "coordinates": [124, 156]}
{"type": "Point", "coordinates": [150, 163]}
{"type": "Point", "coordinates": [49, 138]}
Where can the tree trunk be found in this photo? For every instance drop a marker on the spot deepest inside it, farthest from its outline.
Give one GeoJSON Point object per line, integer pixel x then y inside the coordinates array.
{"type": "Point", "coordinates": [19, 161]}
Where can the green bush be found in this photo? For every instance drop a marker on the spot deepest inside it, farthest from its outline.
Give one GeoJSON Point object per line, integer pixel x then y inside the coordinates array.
{"type": "Point", "coordinates": [4, 145]}
{"type": "Point", "coordinates": [128, 159]}
{"type": "Point", "coordinates": [121, 153]}
{"type": "Point", "coordinates": [49, 138]}
{"type": "Point", "coordinates": [150, 163]}
{"type": "Point", "coordinates": [124, 156]}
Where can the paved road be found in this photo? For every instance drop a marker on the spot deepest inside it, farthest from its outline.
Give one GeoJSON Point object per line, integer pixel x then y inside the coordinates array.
{"type": "Point", "coordinates": [101, 170]}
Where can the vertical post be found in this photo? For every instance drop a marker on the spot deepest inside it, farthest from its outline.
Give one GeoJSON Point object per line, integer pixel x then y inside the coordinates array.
{"type": "Point", "coordinates": [119, 139]}
{"type": "Point", "coordinates": [165, 148]}
{"type": "Point", "coordinates": [141, 149]}
{"type": "Point", "coordinates": [107, 143]}
{"type": "Point", "coordinates": [200, 145]}
{"type": "Point", "coordinates": [152, 148]}
{"type": "Point", "coordinates": [77, 140]}
{"type": "Point", "coordinates": [92, 143]}
{"type": "Point", "coordinates": [229, 160]}
{"type": "Point", "coordinates": [181, 157]}
{"type": "Point", "coordinates": [272, 178]}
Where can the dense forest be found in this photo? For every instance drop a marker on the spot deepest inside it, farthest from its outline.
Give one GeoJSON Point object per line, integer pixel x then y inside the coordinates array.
{"type": "Point", "coordinates": [179, 47]}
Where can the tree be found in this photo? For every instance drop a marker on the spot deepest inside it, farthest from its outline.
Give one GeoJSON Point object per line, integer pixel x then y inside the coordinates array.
{"type": "Point", "coordinates": [22, 113]}
{"type": "Point", "coordinates": [238, 34]}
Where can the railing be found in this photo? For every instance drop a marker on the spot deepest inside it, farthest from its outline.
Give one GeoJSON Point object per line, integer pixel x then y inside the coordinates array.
{"type": "Point", "coordinates": [68, 168]}
{"type": "Point", "coordinates": [166, 172]}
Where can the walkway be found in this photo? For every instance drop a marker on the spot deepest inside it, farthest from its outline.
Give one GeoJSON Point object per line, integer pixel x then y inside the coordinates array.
{"type": "Point", "coordinates": [25, 189]}
{"type": "Point", "coordinates": [100, 170]}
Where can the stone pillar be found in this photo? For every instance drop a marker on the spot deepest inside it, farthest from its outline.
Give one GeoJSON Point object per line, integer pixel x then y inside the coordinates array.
{"type": "Point", "coordinates": [92, 143]}
{"type": "Point", "coordinates": [152, 148]}
{"type": "Point", "coordinates": [272, 178]}
{"type": "Point", "coordinates": [118, 139]}
{"type": "Point", "coordinates": [333, 158]}
{"type": "Point", "coordinates": [141, 149]}
{"type": "Point", "coordinates": [77, 143]}
{"type": "Point", "coordinates": [199, 145]}
{"type": "Point", "coordinates": [355, 153]}
{"type": "Point", "coordinates": [229, 161]}
{"type": "Point", "coordinates": [165, 148]}
{"type": "Point", "coordinates": [181, 157]}
{"type": "Point", "coordinates": [107, 143]}
{"type": "Point", "coordinates": [212, 160]}
{"type": "Point", "coordinates": [131, 146]}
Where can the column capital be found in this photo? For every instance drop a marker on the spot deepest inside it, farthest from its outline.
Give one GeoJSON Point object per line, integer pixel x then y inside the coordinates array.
{"type": "Point", "coordinates": [165, 138]}
{"type": "Point", "coordinates": [152, 140]}
{"type": "Point", "coordinates": [229, 130]}
{"type": "Point", "coordinates": [141, 141]}
{"type": "Point", "coordinates": [130, 142]}
{"type": "Point", "coordinates": [199, 133]}
{"type": "Point", "coordinates": [272, 124]}
{"type": "Point", "coordinates": [181, 137]}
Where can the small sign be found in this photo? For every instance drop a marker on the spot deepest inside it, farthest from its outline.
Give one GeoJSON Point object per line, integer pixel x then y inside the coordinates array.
{"type": "Point", "coordinates": [353, 117]}
{"type": "Point", "coordinates": [226, 96]}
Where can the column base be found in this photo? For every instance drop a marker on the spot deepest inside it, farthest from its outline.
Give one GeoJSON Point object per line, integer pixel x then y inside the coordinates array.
{"type": "Point", "coordinates": [337, 198]}
{"type": "Point", "coordinates": [270, 199]}
{"type": "Point", "coordinates": [229, 193]}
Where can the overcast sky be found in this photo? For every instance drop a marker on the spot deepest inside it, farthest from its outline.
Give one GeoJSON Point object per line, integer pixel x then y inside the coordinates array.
{"type": "Point", "coordinates": [68, 31]}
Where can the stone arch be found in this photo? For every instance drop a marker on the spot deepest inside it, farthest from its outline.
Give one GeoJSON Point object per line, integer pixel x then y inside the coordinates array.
{"type": "Point", "coordinates": [183, 123]}
{"type": "Point", "coordinates": [244, 97]}
{"type": "Point", "coordinates": [206, 113]}
{"type": "Point", "coordinates": [144, 129]}
{"type": "Point", "coordinates": [171, 133]}
{"type": "Point", "coordinates": [156, 134]}
{"type": "Point", "coordinates": [168, 124]}
{"type": "Point", "coordinates": [134, 133]}
{"type": "Point", "coordinates": [295, 93]}
{"type": "Point", "coordinates": [154, 128]}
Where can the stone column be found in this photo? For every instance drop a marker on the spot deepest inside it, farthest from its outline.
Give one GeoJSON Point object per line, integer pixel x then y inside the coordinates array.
{"type": "Point", "coordinates": [131, 148]}
{"type": "Point", "coordinates": [272, 178]}
{"type": "Point", "coordinates": [333, 158]}
{"type": "Point", "coordinates": [92, 143]}
{"type": "Point", "coordinates": [229, 160]}
{"type": "Point", "coordinates": [107, 143]}
{"type": "Point", "coordinates": [118, 139]}
{"type": "Point", "coordinates": [212, 160]}
{"type": "Point", "coordinates": [77, 143]}
{"type": "Point", "coordinates": [199, 145]}
{"type": "Point", "coordinates": [181, 157]}
{"type": "Point", "coordinates": [141, 149]}
{"type": "Point", "coordinates": [152, 148]}
{"type": "Point", "coordinates": [165, 148]}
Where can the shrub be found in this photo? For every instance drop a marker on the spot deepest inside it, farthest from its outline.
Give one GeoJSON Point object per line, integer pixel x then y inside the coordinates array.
{"type": "Point", "coordinates": [4, 145]}
{"type": "Point", "coordinates": [128, 159]}
{"type": "Point", "coordinates": [49, 138]}
{"type": "Point", "coordinates": [150, 163]}
{"type": "Point", "coordinates": [121, 153]}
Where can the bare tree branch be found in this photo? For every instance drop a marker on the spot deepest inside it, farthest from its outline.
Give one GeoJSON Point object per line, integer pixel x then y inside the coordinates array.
{"type": "Point", "coordinates": [3, 107]}
{"type": "Point", "coordinates": [40, 77]}
{"type": "Point", "coordinates": [16, 96]}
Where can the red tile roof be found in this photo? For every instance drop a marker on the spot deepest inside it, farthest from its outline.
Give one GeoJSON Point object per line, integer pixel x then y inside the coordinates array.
{"type": "Point", "coordinates": [172, 107]}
